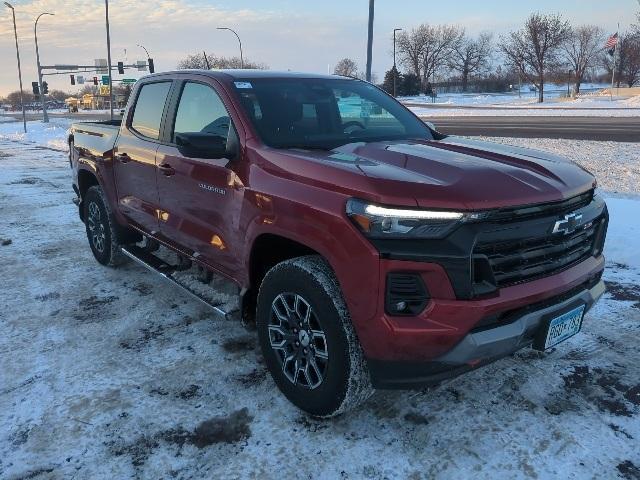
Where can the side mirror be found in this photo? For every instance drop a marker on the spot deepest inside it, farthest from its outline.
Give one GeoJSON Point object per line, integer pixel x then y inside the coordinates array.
{"type": "Point", "coordinates": [202, 145]}
{"type": "Point", "coordinates": [437, 135]}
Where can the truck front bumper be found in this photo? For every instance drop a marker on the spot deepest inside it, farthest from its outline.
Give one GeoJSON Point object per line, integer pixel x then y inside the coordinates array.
{"type": "Point", "coordinates": [481, 345]}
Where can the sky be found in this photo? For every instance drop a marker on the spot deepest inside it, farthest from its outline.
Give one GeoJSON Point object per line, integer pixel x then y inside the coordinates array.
{"type": "Point", "coordinates": [302, 35]}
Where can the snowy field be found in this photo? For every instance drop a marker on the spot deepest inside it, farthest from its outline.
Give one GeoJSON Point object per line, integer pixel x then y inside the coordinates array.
{"type": "Point", "coordinates": [113, 374]}
{"type": "Point", "coordinates": [591, 104]}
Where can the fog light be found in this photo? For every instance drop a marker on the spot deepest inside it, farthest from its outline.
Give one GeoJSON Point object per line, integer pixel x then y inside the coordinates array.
{"type": "Point", "coordinates": [401, 306]}
{"type": "Point", "coordinates": [406, 294]}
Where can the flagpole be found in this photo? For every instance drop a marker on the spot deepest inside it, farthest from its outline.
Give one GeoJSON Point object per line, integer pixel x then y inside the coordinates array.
{"type": "Point", "coordinates": [613, 72]}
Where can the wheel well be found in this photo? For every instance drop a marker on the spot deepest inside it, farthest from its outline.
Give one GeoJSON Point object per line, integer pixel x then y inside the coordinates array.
{"type": "Point", "coordinates": [86, 180]}
{"type": "Point", "coordinates": [268, 250]}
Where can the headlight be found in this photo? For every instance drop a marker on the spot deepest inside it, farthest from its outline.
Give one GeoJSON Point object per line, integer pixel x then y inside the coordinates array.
{"type": "Point", "coordinates": [376, 221]}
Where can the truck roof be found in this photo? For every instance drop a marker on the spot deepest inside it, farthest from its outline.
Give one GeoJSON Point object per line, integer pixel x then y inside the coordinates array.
{"type": "Point", "coordinates": [241, 74]}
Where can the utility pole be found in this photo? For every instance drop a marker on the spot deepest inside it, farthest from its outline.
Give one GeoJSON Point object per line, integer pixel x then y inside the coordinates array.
{"type": "Point", "coordinates": [15, 32]}
{"type": "Point", "coordinates": [45, 116]}
{"type": "Point", "coordinates": [106, 12]}
{"type": "Point", "coordinates": [395, 70]}
{"type": "Point", "coordinates": [239, 42]}
{"type": "Point", "coordinates": [370, 39]}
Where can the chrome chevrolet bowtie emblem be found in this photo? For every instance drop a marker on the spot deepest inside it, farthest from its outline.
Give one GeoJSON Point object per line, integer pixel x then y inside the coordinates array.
{"type": "Point", "coordinates": [568, 224]}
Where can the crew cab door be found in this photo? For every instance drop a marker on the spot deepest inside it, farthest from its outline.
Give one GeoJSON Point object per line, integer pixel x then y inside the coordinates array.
{"type": "Point", "coordinates": [201, 198]}
{"type": "Point", "coordinates": [135, 156]}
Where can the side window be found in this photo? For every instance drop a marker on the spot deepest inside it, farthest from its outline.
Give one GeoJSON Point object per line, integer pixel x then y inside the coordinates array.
{"type": "Point", "coordinates": [149, 107]}
{"type": "Point", "coordinates": [201, 111]}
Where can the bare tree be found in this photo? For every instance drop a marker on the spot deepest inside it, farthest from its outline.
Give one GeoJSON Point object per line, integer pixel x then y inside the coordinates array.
{"type": "Point", "coordinates": [410, 46]}
{"type": "Point", "coordinates": [582, 49]}
{"type": "Point", "coordinates": [426, 48]}
{"type": "Point", "coordinates": [13, 99]}
{"type": "Point", "coordinates": [440, 41]}
{"type": "Point", "coordinates": [535, 48]}
{"type": "Point", "coordinates": [471, 56]}
{"type": "Point", "coordinates": [197, 61]}
{"type": "Point", "coordinates": [347, 68]}
{"type": "Point", "coordinates": [629, 59]}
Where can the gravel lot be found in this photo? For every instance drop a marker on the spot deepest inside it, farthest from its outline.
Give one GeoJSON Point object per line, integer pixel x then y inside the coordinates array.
{"type": "Point", "coordinates": [114, 374]}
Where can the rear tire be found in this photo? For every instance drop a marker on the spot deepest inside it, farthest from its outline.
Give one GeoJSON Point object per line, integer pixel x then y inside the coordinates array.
{"type": "Point", "coordinates": [307, 338]}
{"type": "Point", "coordinates": [102, 230]}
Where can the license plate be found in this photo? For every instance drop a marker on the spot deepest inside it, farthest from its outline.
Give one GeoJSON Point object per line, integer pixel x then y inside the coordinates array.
{"type": "Point", "coordinates": [563, 326]}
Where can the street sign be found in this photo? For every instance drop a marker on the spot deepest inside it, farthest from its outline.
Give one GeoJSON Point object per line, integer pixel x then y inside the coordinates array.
{"type": "Point", "coordinates": [80, 79]}
{"type": "Point", "coordinates": [101, 65]}
{"type": "Point", "coordinates": [142, 65]}
{"type": "Point", "coordinates": [104, 89]}
{"type": "Point", "coordinates": [129, 80]}
{"type": "Point", "coordinates": [105, 79]}
{"type": "Point", "coordinates": [66, 67]}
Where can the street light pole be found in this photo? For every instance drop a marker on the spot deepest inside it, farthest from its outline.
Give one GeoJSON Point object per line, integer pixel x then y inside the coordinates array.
{"type": "Point", "coordinates": [395, 70]}
{"type": "Point", "coordinates": [239, 43]}
{"type": "Point", "coordinates": [15, 32]}
{"type": "Point", "coordinates": [106, 12]}
{"type": "Point", "coordinates": [45, 116]}
{"type": "Point", "coordinates": [145, 50]}
{"type": "Point", "coordinates": [370, 40]}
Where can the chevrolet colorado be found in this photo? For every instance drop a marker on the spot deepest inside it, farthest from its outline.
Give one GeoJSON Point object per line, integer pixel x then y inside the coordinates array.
{"type": "Point", "coordinates": [370, 250]}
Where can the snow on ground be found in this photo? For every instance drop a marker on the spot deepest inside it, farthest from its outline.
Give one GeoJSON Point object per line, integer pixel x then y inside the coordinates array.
{"type": "Point", "coordinates": [559, 110]}
{"type": "Point", "coordinates": [616, 165]}
{"type": "Point", "coordinates": [114, 374]}
{"type": "Point", "coordinates": [591, 104]}
{"type": "Point", "coordinates": [52, 134]}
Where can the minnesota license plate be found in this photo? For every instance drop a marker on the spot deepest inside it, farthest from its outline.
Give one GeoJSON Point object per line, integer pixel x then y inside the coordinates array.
{"type": "Point", "coordinates": [562, 327]}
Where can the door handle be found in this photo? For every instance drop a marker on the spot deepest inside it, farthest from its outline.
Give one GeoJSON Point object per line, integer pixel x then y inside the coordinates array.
{"type": "Point", "coordinates": [123, 158]}
{"type": "Point", "coordinates": [166, 169]}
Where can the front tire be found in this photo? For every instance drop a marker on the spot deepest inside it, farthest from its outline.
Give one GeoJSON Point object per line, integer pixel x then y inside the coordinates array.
{"type": "Point", "coordinates": [307, 338]}
{"type": "Point", "coordinates": [101, 228]}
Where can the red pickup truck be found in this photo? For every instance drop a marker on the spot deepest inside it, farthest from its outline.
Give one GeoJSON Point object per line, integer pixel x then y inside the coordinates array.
{"type": "Point", "coordinates": [371, 250]}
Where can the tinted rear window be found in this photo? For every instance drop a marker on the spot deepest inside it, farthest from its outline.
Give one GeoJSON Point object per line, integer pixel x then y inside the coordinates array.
{"type": "Point", "coordinates": [149, 107]}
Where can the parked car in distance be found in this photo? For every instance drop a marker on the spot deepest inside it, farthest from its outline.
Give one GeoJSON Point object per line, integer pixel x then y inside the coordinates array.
{"type": "Point", "coordinates": [371, 250]}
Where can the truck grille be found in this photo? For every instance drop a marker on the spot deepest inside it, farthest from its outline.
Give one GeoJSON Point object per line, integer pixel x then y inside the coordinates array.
{"type": "Point", "coordinates": [526, 259]}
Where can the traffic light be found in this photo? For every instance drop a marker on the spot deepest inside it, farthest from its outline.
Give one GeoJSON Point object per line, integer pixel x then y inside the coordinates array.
{"type": "Point", "coordinates": [45, 88]}
{"type": "Point", "coordinates": [95, 80]}
{"type": "Point", "coordinates": [35, 88]}
{"type": "Point", "coordinates": [73, 79]}
{"type": "Point", "coordinates": [151, 67]}
{"type": "Point", "coordinates": [120, 68]}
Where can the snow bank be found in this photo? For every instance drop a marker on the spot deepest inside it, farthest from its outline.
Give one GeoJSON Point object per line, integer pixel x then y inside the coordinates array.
{"type": "Point", "coordinates": [52, 135]}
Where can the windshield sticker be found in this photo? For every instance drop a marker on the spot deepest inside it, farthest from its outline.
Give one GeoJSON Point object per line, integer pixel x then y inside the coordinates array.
{"type": "Point", "coordinates": [243, 84]}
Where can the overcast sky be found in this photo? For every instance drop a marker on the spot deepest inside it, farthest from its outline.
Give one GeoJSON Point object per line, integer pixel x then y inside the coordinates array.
{"type": "Point", "coordinates": [302, 35]}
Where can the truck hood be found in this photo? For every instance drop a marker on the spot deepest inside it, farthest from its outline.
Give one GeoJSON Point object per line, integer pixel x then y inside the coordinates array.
{"type": "Point", "coordinates": [457, 173]}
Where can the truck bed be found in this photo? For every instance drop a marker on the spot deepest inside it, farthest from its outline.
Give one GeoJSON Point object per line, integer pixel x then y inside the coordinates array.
{"type": "Point", "coordinates": [96, 138]}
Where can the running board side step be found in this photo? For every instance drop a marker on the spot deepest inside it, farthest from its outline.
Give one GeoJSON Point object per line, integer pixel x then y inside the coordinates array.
{"type": "Point", "coordinates": [166, 271]}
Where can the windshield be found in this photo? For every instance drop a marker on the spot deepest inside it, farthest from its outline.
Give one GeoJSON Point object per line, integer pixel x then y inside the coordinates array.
{"type": "Point", "coordinates": [324, 113]}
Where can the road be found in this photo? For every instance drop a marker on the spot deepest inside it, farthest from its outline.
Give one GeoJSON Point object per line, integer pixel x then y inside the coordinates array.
{"type": "Point", "coordinates": [618, 129]}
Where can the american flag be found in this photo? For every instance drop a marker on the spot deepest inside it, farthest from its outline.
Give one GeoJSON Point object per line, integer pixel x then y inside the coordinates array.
{"type": "Point", "coordinates": [612, 42]}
